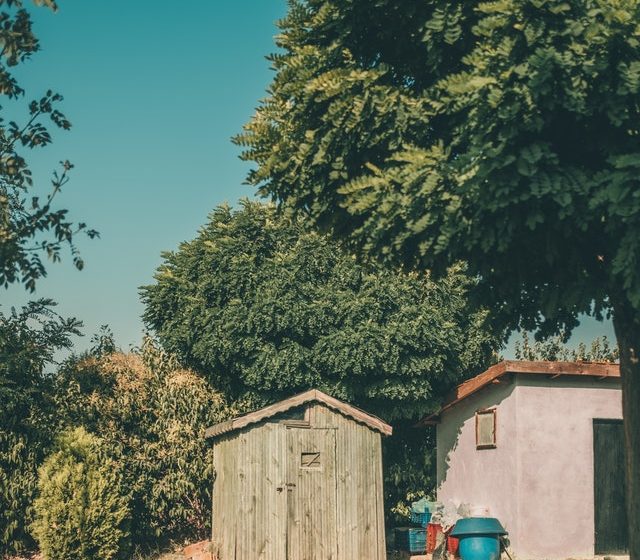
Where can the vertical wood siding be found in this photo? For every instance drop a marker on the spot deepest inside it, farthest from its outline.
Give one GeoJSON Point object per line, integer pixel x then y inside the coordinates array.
{"type": "Point", "coordinates": [249, 513]}
{"type": "Point", "coordinates": [611, 536]}
{"type": "Point", "coordinates": [333, 513]}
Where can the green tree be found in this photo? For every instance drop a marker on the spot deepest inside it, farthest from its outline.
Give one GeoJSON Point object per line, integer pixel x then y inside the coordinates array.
{"type": "Point", "coordinates": [81, 512]}
{"type": "Point", "coordinates": [501, 133]}
{"type": "Point", "coordinates": [266, 308]}
{"type": "Point", "coordinates": [555, 349]}
{"type": "Point", "coordinates": [151, 415]}
{"type": "Point", "coordinates": [28, 340]}
{"type": "Point", "coordinates": [30, 226]}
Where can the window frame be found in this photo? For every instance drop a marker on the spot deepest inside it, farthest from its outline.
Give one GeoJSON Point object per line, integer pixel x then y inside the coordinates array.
{"type": "Point", "coordinates": [486, 412]}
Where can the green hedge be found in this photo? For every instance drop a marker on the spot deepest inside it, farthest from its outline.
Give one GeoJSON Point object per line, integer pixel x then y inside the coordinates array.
{"type": "Point", "coordinates": [81, 511]}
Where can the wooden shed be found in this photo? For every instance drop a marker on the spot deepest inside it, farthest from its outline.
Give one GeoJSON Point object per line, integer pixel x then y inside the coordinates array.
{"type": "Point", "coordinates": [299, 480]}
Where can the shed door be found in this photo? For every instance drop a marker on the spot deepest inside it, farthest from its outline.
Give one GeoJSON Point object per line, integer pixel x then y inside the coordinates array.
{"type": "Point", "coordinates": [611, 535]}
{"type": "Point", "coordinates": [311, 494]}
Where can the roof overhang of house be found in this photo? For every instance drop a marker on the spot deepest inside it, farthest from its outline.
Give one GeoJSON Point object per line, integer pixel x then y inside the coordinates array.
{"type": "Point", "coordinates": [298, 400]}
{"type": "Point", "coordinates": [552, 370]}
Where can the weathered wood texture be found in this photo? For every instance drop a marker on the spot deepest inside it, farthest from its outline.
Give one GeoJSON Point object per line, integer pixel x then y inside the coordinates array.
{"type": "Point", "coordinates": [283, 491]}
{"type": "Point", "coordinates": [311, 494]}
{"type": "Point", "coordinates": [611, 536]}
{"type": "Point", "coordinates": [249, 512]}
{"type": "Point", "coordinates": [310, 396]}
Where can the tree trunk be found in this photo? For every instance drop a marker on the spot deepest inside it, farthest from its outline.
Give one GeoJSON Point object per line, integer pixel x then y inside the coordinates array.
{"type": "Point", "coordinates": [626, 322]}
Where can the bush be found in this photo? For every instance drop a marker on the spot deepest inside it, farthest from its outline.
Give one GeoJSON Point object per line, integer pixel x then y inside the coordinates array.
{"type": "Point", "coordinates": [81, 511]}
{"type": "Point", "coordinates": [152, 413]}
{"type": "Point", "coordinates": [29, 338]}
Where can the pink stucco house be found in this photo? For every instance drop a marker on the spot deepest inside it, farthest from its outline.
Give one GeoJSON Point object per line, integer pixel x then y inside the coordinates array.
{"type": "Point", "coordinates": [540, 445]}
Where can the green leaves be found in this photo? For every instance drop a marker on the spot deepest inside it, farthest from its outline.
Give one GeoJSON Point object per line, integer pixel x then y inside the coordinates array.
{"type": "Point", "coordinates": [151, 415]}
{"type": "Point", "coordinates": [265, 307]}
{"type": "Point", "coordinates": [80, 510]}
{"type": "Point", "coordinates": [30, 227]}
{"type": "Point", "coordinates": [29, 338]}
{"type": "Point", "coordinates": [531, 104]}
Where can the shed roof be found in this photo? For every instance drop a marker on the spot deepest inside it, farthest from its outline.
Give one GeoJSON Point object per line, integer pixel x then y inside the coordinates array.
{"type": "Point", "coordinates": [312, 395]}
{"type": "Point", "coordinates": [552, 370]}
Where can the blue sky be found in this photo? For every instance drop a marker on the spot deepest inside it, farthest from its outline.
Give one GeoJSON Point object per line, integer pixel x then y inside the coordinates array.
{"type": "Point", "coordinates": [155, 91]}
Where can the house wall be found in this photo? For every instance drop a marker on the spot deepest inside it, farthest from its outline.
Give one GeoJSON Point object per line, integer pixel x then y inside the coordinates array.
{"type": "Point", "coordinates": [539, 479]}
{"type": "Point", "coordinates": [250, 514]}
{"type": "Point", "coordinates": [555, 454]}
{"type": "Point", "coordinates": [486, 477]}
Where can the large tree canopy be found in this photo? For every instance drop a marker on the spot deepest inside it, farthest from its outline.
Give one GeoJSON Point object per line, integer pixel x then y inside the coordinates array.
{"type": "Point", "coordinates": [266, 308]}
{"type": "Point", "coordinates": [502, 133]}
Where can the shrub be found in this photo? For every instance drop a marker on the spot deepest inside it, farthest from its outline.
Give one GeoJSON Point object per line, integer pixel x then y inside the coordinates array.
{"type": "Point", "coordinates": [29, 338]}
{"type": "Point", "coordinates": [81, 512]}
{"type": "Point", "coordinates": [152, 413]}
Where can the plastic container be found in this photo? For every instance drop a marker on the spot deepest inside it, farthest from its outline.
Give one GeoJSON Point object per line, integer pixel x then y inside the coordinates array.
{"type": "Point", "coordinates": [453, 544]}
{"type": "Point", "coordinates": [479, 538]}
{"type": "Point", "coordinates": [432, 535]}
{"type": "Point", "coordinates": [421, 519]}
{"type": "Point", "coordinates": [479, 547]}
{"type": "Point", "coordinates": [411, 539]}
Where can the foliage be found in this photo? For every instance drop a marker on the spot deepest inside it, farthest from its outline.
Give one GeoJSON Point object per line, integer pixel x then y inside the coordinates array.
{"type": "Point", "coordinates": [502, 133]}
{"type": "Point", "coordinates": [80, 511]}
{"type": "Point", "coordinates": [29, 225]}
{"type": "Point", "coordinates": [266, 308]}
{"type": "Point", "coordinates": [151, 414]}
{"type": "Point", "coordinates": [554, 349]}
{"type": "Point", "coordinates": [411, 472]}
{"type": "Point", "coordinates": [28, 340]}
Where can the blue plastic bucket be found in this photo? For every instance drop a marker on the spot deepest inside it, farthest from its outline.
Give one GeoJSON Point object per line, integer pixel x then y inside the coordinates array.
{"type": "Point", "coordinates": [479, 538]}
{"type": "Point", "coordinates": [479, 547]}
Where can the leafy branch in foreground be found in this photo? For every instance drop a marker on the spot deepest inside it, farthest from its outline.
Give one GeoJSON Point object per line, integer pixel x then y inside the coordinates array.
{"type": "Point", "coordinates": [502, 133]}
{"type": "Point", "coordinates": [29, 224]}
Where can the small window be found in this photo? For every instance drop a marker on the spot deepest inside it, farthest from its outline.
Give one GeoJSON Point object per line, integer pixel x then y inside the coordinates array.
{"type": "Point", "coordinates": [310, 460]}
{"type": "Point", "coordinates": [486, 429]}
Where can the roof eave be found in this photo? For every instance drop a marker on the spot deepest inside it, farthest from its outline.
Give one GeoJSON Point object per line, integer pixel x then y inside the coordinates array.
{"type": "Point", "coordinates": [598, 370]}
{"type": "Point", "coordinates": [312, 395]}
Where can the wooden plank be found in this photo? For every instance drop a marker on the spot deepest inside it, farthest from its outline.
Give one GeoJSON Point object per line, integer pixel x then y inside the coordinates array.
{"type": "Point", "coordinates": [224, 498]}
{"type": "Point", "coordinates": [311, 531]}
{"type": "Point", "coordinates": [272, 542]}
{"type": "Point", "coordinates": [342, 486]}
{"type": "Point", "coordinates": [379, 489]}
{"type": "Point", "coordinates": [368, 526]}
{"type": "Point", "coordinates": [595, 369]}
{"type": "Point", "coordinates": [610, 514]}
